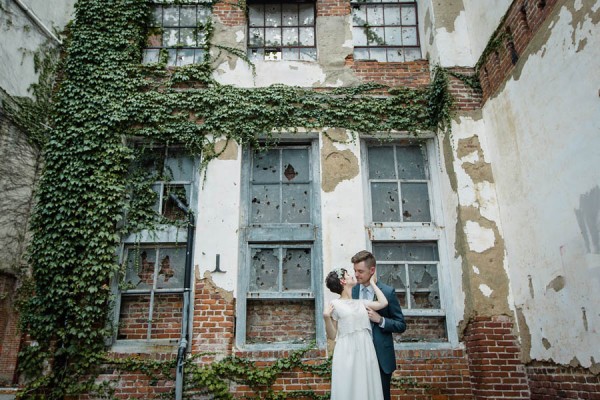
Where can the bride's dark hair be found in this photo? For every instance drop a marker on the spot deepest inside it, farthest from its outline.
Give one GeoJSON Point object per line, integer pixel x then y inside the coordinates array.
{"type": "Point", "coordinates": [333, 280]}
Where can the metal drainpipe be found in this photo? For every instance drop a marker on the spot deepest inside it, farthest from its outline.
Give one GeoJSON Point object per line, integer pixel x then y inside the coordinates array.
{"type": "Point", "coordinates": [184, 338]}
{"type": "Point", "coordinates": [36, 20]}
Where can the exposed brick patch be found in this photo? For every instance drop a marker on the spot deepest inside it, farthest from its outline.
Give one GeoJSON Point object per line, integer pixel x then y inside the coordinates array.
{"type": "Point", "coordinates": [332, 8]}
{"type": "Point", "coordinates": [166, 317]}
{"type": "Point", "coordinates": [494, 363]}
{"type": "Point", "coordinates": [395, 74]}
{"type": "Point", "coordinates": [264, 319]}
{"type": "Point", "coordinates": [550, 381]}
{"type": "Point", "coordinates": [214, 321]}
{"type": "Point", "coordinates": [419, 329]}
{"type": "Point", "coordinates": [466, 98]}
{"type": "Point", "coordinates": [9, 333]}
{"type": "Point", "coordinates": [229, 13]}
{"type": "Point", "coordinates": [522, 21]}
{"type": "Point", "coordinates": [440, 374]}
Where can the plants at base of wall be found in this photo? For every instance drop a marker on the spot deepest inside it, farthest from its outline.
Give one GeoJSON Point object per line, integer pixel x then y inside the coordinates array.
{"type": "Point", "coordinates": [105, 95]}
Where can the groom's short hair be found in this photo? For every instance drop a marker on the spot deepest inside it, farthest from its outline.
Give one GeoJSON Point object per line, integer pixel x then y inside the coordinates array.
{"type": "Point", "coordinates": [365, 256]}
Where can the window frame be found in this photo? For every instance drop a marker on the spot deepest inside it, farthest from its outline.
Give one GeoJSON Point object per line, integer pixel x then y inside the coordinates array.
{"type": "Point", "coordinates": [165, 236]}
{"type": "Point", "coordinates": [399, 3]}
{"type": "Point", "coordinates": [253, 48]}
{"type": "Point", "coordinates": [299, 235]}
{"type": "Point", "coordinates": [434, 231]}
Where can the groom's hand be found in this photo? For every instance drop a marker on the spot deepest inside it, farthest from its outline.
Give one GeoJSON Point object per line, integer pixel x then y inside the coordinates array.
{"type": "Point", "coordinates": [374, 316]}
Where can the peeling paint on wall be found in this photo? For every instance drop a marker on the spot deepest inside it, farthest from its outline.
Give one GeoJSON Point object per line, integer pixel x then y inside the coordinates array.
{"type": "Point", "coordinates": [337, 165]}
{"type": "Point", "coordinates": [228, 149]}
{"type": "Point", "coordinates": [447, 11]}
{"type": "Point", "coordinates": [588, 218]}
{"type": "Point", "coordinates": [557, 284]}
{"type": "Point", "coordinates": [579, 17]}
{"type": "Point", "coordinates": [525, 336]}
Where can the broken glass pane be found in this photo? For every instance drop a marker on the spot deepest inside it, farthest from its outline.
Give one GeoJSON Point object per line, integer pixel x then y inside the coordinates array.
{"type": "Point", "coordinates": [171, 16]}
{"type": "Point", "coordinates": [381, 162]}
{"type": "Point", "coordinates": [296, 203]}
{"type": "Point", "coordinates": [411, 162]}
{"type": "Point", "coordinates": [375, 38]}
{"type": "Point", "coordinates": [139, 270]}
{"type": "Point", "coordinates": [265, 204]}
{"type": "Point", "coordinates": [171, 268]}
{"type": "Point", "coordinates": [412, 54]}
{"type": "Point", "coordinates": [290, 14]}
{"type": "Point", "coordinates": [273, 36]}
{"type": "Point", "coordinates": [266, 167]}
{"type": "Point", "coordinates": [272, 15]}
{"type": "Point", "coordinates": [393, 275]}
{"type": "Point", "coordinates": [384, 201]}
{"type": "Point", "coordinates": [409, 36]}
{"type": "Point", "coordinates": [307, 14]}
{"type": "Point", "coordinates": [392, 15]}
{"type": "Point", "coordinates": [188, 38]}
{"type": "Point", "coordinates": [296, 269]}
{"type": "Point", "coordinates": [290, 54]}
{"type": "Point", "coordinates": [307, 36]}
{"type": "Point", "coordinates": [395, 55]}
{"type": "Point", "coordinates": [179, 166]}
{"type": "Point", "coordinates": [409, 15]}
{"type": "Point", "coordinates": [257, 37]}
{"type": "Point", "coordinates": [308, 54]}
{"type": "Point", "coordinates": [359, 17]}
{"type": "Point", "coordinates": [424, 286]}
{"type": "Point", "coordinates": [415, 202]}
{"type": "Point", "coordinates": [170, 37]}
{"type": "Point", "coordinates": [375, 15]}
{"type": "Point", "coordinates": [295, 165]}
{"type": "Point", "coordinates": [156, 19]}
{"type": "Point", "coordinates": [389, 251]}
{"type": "Point", "coordinates": [420, 252]}
{"type": "Point", "coordinates": [290, 38]}
{"type": "Point", "coordinates": [170, 209]}
{"type": "Point", "coordinates": [264, 270]}
{"type": "Point", "coordinates": [392, 37]}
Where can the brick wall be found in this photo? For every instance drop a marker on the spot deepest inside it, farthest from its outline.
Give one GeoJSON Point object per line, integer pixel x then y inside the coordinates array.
{"type": "Point", "coordinates": [9, 334]}
{"type": "Point", "coordinates": [332, 8]}
{"type": "Point", "coordinates": [423, 329]}
{"type": "Point", "coordinates": [229, 13]}
{"type": "Point", "coordinates": [549, 381]}
{"type": "Point", "coordinates": [271, 321]}
{"type": "Point", "coordinates": [166, 317]}
{"type": "Point", "coordinates": [466, 97]}
{"type": "Point", "coordinates": [406, 74]}
{"type": "Point", "coordinates": [522, 21]}
{"type": "Point", "coordinates": [494, 359]}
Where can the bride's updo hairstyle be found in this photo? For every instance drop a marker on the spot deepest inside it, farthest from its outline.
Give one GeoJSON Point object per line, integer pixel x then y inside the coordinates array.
{"type": "Point", "coordinates": [333, 280]}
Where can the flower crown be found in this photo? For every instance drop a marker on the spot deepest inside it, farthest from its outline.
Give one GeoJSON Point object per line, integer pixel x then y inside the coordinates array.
{"type": "Point", "coordinates": [340, 272]}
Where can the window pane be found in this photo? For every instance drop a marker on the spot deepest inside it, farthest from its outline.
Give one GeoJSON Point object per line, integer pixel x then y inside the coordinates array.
{"type": "Point", "coordinates": [188, 16]}
{"type": "Point", "coordinates": [290, 38]}
{"type": "Point", "coordinates": [392, 37]}
{"type": "Point", "coordinates": [256, 14]}
{"type": "Point", "coordinates": [290, 54]}
{"type": "Point", "coordinates": [265, 204]}
{"type": "Point", "coordinates": [264, 270]}
{"type": "Point", "coordinates": [384, 201]}
{"type": "Point", "coordinates": [420, 252]}
{"type": "Point", "coordinates": [409, 36]}
{"type": "Point", "coordinates": [424, 286]}
{"type": "Point", "coordinates": [411, 162]}
{"type": "Point", "coordinates": [171, 269]}
{"type": "Point", "coordinates": [171, 16]}
{"type": "Point", "coordinates": [389, 252]}
{"type": "Point", "coordinates": [361, 54]}
{"type": "Point", "coordinates": [170, 208]}
{"type": "Point", "coordinates": [139, 269]}
{"type": "Point", "coordinates": [412, 54]}
{"type": "Point", "coordinates": [296, 269]}
{"type": "Point", "coordinates": [415, 202]}
{"type": "Point", "coordinates": [295, 165]}
{"type": "Point", "coordinates": [395, 55]}
{"type": "Point", "coordinates": [188, 37]}
{"type": "Point", "coordinates": [170, 37]}
{"type": "Point", "coordinates": [378, 55]}
{"type": "Point", "coordinates": [266, 166]}
{"type": "Point", "coordinates": [199, 56]}
{"type": "Point", "coordinates": [393, 275]}
{"type": "Point", "coordinates": [179, 166]}
{"type": "Point", "coordinates": [273, 36]}
{"type": "Point", "coordinates": [307, 36]}
{"type": "Point", "coordinates": [296, 203]}
{"type": "Point", "coordinates": [257, 37]}
{"type": "Point", "coordinates": [150, 56]}
{"type": "Point", "coordinates": [375, 37]}
{"type": "Point", "coordinates": [289, 14]}
{"type": "Point", "coordinates": [307, 14]}
{"type": "Point", "coordinates": [273, 15]}
{"type": "Point", "coordinates": [409, 15]}
{"type": "Point", "coordinates": [375, 15]}
{"type": "Point", "coordinates": [203, 14]}
{"type": "Point", "coordinates": [359, 36]}
{"type": "Point", "coordinates": [359, 15]}
{"type": "Point", "coordinates": [392, 15]}
{"type": "Point", "coordinates": [308, 54]}
{"type": "Point", "coordinates": [381, 162]}
{"type": "Point", "coordinates": [156, 18]}
{"type": "Point", "coordinates": [172, 60]}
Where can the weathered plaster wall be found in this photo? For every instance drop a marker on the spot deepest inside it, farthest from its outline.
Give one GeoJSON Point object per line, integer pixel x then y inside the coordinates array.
{"type": "Point", "coordinates": [218, 217]}
{"type": "Point", "coordinates": [544, 141]}
{"type": "Point", "coordinates": [482, 20]}
{"type": "Point", "coordinates": [21, 38]}
{"type": "Point", "coordinates": [478, 239]}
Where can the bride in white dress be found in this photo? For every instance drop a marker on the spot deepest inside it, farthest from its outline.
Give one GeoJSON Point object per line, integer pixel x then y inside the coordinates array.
{"type": "Point", "coordinates": [355, 370]}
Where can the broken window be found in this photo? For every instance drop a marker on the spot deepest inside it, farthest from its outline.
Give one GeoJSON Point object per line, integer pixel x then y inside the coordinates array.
{"type": "Point", "coordinates": [180, 31]}
{"type": "Point", "coordinates": [385, 31]}
{"type": "Point", "coordinates": [280, 249]}
{"type": "Point", "coordinates": [281, 30]}
{"type": "Point", "coordinates": [399, 182]}
{"type": "Point", "coordinates": [151, 292]}
{"type": "Point", "coordinates": [406, 236]}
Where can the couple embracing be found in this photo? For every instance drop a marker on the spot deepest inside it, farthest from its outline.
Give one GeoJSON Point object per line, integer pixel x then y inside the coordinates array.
{"type": "Point", "coordinates": [362, 321]}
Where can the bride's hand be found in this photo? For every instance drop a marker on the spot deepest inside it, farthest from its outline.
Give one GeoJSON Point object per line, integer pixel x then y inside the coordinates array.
{"type": "Point", "coordinates": [373, 279]}
{"type": "Point", "coordinates": [328, 311]}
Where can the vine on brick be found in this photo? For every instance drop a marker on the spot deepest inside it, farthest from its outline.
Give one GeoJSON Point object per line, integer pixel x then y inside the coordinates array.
{"type": "Point", "coordinates": [104, 96]}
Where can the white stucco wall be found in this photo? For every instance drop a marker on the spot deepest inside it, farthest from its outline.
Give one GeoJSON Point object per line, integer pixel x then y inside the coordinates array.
{"type": "Point", "coordinates": [544, 142]}
{"type": "Point", "coordinates": [482, 20]}
{"type": "Point", "coordinates": [20, 38]}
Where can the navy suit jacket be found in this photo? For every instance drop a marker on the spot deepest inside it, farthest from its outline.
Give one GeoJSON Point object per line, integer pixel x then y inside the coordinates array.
{"type": "Point", "coordinates": [394, 322]}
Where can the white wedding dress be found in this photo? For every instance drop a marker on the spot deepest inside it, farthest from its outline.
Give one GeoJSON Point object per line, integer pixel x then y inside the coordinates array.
{"type": "Point", "coordinates": [355, 370]}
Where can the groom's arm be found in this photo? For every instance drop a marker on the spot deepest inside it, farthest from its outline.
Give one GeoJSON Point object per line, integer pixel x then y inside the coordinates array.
{"type": "Point", "coordinates": [394, 322]}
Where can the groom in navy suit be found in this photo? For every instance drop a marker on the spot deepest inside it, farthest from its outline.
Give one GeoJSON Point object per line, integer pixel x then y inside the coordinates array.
{"type": "Point", "coordinates": [385, 322]}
